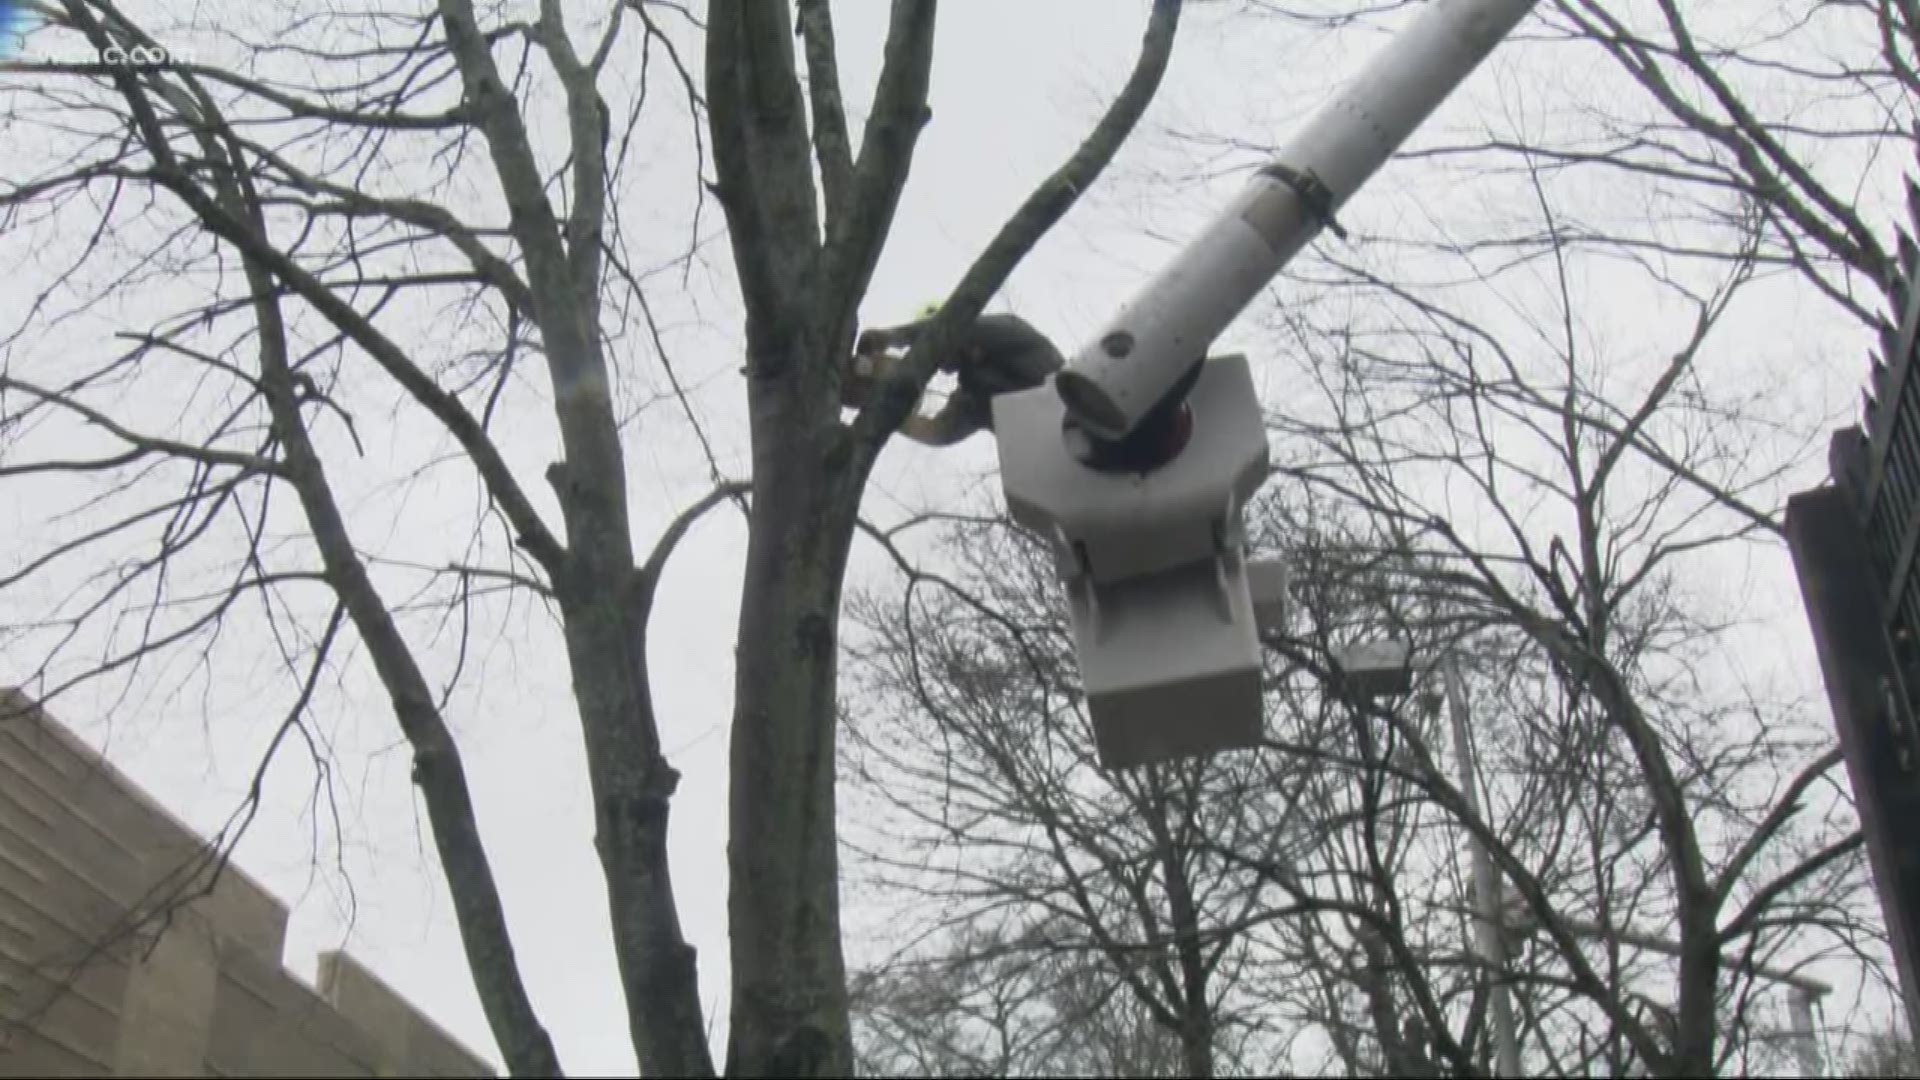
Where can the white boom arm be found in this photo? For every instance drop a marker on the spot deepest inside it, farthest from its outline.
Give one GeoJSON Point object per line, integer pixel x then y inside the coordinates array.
{"type": "Point", "coordinates": [1166, 605]}
{"type": "Point", "coordinates": [1157, 337]}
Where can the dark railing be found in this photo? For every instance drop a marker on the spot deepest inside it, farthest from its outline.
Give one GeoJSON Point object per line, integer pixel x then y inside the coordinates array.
{"type": "Point", "coordinates": [1877, 465]}
{"type": "Point", "coordinates": [1854, 546]}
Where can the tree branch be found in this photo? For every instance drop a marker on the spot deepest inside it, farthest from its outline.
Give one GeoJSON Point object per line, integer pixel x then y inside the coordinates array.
{"type": "Point", "coordinates": [656, 564]}
{"type": "Point", "coordinates": [896, 397]}
{"type": "Point", "coordinates": [854, 240]}
{"type": "Point", "coordinates": [832, 146]}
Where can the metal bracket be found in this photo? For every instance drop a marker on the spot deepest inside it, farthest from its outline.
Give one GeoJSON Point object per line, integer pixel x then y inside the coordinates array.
{"type": "Point", "coordinates": [1313, 191]}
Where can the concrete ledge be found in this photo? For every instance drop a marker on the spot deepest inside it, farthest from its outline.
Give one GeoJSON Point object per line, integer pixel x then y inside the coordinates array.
{"type": "Point", "coordinates": [199, 989]}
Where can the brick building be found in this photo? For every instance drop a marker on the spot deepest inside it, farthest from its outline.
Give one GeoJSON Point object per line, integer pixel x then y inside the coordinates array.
{"type": "Point", "coordinates": [91, 985]}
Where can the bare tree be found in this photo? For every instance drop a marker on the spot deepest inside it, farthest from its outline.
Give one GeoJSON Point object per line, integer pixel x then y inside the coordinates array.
{"type": "Point", "coordinates": [996, 821]}
{"type": "Point", "coordinates": [1702, 119]}
{"type": "Point", "coordinates": [1727, 123]}
{"type": "Point", "coordinates": [1888, 1054]}
{"type": "Point", "coordinates": [1686, 143]}
{"type": "Point", "coordinates": [1564, 508]}
{"type": "Point", "coordinates": [1504, 495]}
{"type": "Point", "coordinates": [284, 265]}
{"type": "Point", "coordinates": [988, 1009]}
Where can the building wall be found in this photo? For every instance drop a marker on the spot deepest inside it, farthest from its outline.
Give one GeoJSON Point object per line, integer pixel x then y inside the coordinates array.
{"type": "Point", "coordinates": [117, 959]}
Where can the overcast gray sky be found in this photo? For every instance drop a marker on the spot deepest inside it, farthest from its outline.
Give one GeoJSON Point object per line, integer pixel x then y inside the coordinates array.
{"type": "Point", "coordinates": [1016, 84]}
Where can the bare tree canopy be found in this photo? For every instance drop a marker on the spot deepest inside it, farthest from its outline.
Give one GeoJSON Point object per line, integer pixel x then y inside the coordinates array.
{"type": "Point", "coordinates": [1480, 456]}
{"type": "Point", "coordinates": [265, 230]}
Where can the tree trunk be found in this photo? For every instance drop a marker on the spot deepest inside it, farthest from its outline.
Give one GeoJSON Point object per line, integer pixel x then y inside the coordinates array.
{"type": "Point", "coordinates": [789, 975]}
{"type": "Point", "coordinates": [1196, 1051]}
{"type": "Point", "coordinates": [1183, 917]}
{"type": "Point", "coordinates": [802, 279]}
{"type": "Point", "coordinates": [632, 785]}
